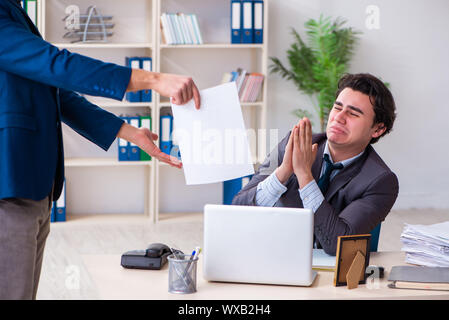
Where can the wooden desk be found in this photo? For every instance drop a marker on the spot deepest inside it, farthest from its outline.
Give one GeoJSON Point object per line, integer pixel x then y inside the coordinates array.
{"type": "Point", "coordinates": [114, 282]}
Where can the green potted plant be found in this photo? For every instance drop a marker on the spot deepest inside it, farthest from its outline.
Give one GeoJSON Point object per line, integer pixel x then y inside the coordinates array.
{"type": "Point", "coordinates": [316, 67]}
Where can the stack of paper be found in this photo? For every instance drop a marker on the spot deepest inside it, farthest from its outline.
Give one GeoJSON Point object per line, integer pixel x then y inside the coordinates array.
{"type": "Point", "coordinates": [426, 245]}
{"type": "Point", "coordinates": [323, 261]}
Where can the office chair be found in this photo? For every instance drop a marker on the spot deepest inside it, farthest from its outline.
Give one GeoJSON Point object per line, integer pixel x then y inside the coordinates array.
{"type": "Point", "coordinates": [375, 238]}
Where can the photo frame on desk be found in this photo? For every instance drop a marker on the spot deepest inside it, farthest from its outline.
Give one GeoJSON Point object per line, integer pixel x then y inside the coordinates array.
{"type": "Point", "coordinates": [352, 260]}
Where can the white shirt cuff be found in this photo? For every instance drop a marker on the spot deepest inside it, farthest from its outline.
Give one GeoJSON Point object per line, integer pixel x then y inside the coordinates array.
{"type": "Point", "coordinates": [269, 191]}
{"type": "Point", "coordinates": [311, 196]}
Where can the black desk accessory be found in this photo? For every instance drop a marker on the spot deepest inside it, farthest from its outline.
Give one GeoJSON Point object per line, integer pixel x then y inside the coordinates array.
{"type": "Point", "coordinates": [153, 258]}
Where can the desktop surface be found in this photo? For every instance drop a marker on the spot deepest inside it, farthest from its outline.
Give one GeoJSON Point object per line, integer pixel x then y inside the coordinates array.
{"type": "Point", "coordinates": [114, 282]}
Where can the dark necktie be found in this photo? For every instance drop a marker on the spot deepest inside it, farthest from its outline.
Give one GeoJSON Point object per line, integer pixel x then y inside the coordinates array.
{"type": "Point", "coordinates": [323, 183]}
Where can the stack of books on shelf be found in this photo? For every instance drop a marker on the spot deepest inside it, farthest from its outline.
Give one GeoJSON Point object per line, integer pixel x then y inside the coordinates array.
{"type": "Point", "coordinates": [426, 245]}
{"type": "Point", "coordinates": [249, 85]}
{"type": "Point", "coordinates": [180, 28]}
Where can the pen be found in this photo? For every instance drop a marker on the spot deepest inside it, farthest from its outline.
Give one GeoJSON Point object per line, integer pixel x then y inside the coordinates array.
{"type": "Point", "coordinates": [196, 252]}
{"type": "Point", "coordinates": [192, 257]}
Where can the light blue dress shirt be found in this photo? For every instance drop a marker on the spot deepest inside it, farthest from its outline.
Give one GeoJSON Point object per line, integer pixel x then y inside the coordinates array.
{"type": "Point", "coordinates": [271, 189]}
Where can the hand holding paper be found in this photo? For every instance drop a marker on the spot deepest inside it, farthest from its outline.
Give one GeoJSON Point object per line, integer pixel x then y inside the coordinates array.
{"type": "Point", "coordinates": [180, 88]}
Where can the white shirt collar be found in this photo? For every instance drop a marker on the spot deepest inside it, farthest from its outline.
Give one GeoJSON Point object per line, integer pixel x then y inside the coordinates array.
{"type": "Point", "coordinates": [345, 162]}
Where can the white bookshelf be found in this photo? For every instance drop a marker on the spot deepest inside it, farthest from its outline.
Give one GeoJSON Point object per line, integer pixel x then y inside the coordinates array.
{"type": "Point", "coordinates": [212, 46]}
{"type": "Point", "coordinates": [103, 162]}
{"type": "Point", "coordinates": [103, 45]}
{"type": "Point", "coordinates": [137, 33]}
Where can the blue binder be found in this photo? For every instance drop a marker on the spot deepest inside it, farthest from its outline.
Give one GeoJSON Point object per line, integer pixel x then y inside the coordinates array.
{"type": "Point", "coordinates": [175, 152]}
{"type": "Point", "coordinates": [53, 213]}
{"type": "Point", "coordinates": [146, 64]}
{"type": "Point", "coordinates": [247, 21]}
{"type": "Point", "coordinates": [236, 21]}
{"type": "Point", "coordinates": [232, 187]}
{"type": "Point", "coordinates": [375, 238]}
{"type": "Point", "coordinates": [123, 145]}
{"type": "Point", "coordinates": [258, 21]}
{"type": "Point", "coordinates": [133, 62]}
{"type": "Point", "coordinates": [60, 206]}
{"type": "Point", "coordinates": [166, 129]}
{"type": "Point", "coordinates": [134, 150]}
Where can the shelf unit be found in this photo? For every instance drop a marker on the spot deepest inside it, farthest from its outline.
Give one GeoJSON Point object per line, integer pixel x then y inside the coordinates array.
{"type": "Point", "coordinates": [103, 162]}
{"type": "Point", "coordinates": [255, 56]}
{"type": "Point", "coordinates": [103, 45]}
{"type": "Point", "coordinates": [212, 46]}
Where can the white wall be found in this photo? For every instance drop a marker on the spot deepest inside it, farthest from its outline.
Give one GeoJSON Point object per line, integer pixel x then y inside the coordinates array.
{"type": "Point", "coordinates": [410, 51]}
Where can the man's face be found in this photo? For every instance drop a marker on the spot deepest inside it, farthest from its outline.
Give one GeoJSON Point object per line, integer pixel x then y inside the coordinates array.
{"type": "Point", "coordinates": [351, 119]}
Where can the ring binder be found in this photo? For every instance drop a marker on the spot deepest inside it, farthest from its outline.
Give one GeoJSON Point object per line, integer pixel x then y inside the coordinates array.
{"type": "Point", "coordinates": [236, 13]}
{"type": "Point", "coordinates": [134, 150]}
{"type": "Point", "coordinates": [166, 127]}
{"type": "Point", "coordinates": [247, 20]}
{"type": "Point", "coordinates": [258, 21]}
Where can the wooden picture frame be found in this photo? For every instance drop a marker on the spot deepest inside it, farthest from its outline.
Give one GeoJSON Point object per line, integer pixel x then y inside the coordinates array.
{"type": "Point", "coordinates": [352, 260]}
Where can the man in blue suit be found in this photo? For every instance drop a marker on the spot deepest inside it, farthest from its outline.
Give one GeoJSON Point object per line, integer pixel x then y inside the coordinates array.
{"type": "Point", "coordinates": [37, 92]}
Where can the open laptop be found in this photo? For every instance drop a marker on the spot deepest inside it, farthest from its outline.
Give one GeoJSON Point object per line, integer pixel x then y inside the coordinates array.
{"type": "Point", "coordinates": [268, 245]}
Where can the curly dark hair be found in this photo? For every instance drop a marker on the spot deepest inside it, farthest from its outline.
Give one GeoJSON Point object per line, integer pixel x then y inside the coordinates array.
{"type": "Point", "coordinates": [380, 97]}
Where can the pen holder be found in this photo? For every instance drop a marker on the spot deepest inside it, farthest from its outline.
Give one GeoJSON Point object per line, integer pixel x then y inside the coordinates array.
{"type": "Point", "coordinates": [182, 273]}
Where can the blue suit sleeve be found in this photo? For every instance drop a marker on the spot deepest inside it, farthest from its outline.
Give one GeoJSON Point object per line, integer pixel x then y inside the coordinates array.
{"type": "Point", "coordinates": [90, 121]}
{"type": "Point", "coordinates": [28, 55]}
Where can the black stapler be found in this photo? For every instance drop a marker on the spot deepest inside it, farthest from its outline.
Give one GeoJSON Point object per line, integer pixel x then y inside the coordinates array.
{"type": "Point", "coordinates": [153, 258]}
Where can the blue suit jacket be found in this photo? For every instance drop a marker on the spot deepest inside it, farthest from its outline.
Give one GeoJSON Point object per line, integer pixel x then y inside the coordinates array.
{"type": "Point", "coordinates": [37, 84]}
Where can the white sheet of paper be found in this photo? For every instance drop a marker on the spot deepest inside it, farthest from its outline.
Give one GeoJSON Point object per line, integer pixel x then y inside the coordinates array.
{"type": "Point", "coordinates": [213, 140]}
{"type": "Point", "coordinates": [321, 259]}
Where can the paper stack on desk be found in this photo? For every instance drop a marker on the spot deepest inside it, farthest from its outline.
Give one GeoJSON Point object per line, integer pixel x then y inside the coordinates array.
{"type": "Point", "coordinates": [322, 261]}
{"type": "Point", "coordinates": [426, 245]}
